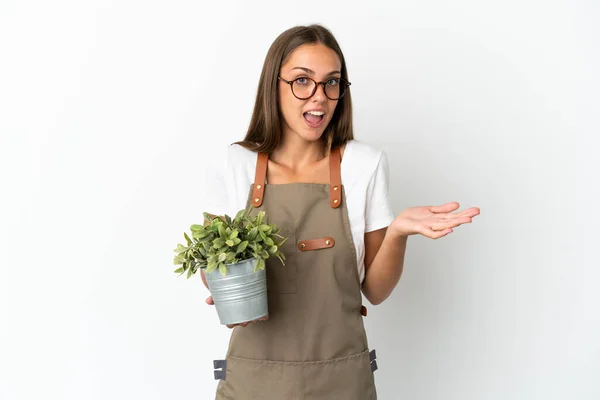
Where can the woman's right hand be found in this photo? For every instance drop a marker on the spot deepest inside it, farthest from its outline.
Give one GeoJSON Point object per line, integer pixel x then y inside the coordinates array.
{"type": "Point", "coordinates": [210, 302]}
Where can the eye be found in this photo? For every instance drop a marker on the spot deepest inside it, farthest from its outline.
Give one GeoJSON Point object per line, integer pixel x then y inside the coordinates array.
{"type": "Point", "coordinates": [302, 81]}
{"type": "Point", "coordinates": [333, 82]}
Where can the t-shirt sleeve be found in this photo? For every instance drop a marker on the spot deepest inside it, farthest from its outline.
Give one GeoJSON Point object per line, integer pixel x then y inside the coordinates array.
{"type": "Point", "coordinates": [378, 210]}
{"type": "Point", "coordinates": [215, 197]}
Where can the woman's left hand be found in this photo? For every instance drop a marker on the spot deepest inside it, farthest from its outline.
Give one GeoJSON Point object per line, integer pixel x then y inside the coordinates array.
{"type": "Point", "coordinates": [431, 221]}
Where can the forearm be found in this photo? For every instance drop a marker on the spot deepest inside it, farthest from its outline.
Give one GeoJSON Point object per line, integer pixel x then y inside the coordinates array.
{"type": "Point", "coordinates": [384, 272]}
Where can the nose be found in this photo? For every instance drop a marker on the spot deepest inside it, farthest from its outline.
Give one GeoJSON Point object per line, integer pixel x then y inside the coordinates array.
{"type": "Point", "coordinates": [319, 95]}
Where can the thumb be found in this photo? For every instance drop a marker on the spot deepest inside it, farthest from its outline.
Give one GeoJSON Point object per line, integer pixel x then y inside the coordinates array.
{"type": "Point", "coordinates": [209, 300]}
{"type": "Point", "coordinates": [446, 208]}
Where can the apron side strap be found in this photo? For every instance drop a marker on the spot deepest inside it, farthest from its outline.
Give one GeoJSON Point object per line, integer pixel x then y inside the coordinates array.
{"type": "Point", "coordinates": [220, 375]}
{"type": "Point", "coordinates": [374, 366]}
{"type": "Point", "coordinates": [372, 355]}
{"type": "Point", "coordinates": [220, 369]}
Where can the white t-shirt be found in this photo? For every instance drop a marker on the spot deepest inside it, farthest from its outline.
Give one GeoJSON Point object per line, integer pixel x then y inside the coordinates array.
{"type": "Point", "coordinates": [364, 177]}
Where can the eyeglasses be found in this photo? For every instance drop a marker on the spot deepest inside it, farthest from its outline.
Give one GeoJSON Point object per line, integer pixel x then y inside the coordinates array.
{"type": "Point", "coordinates": [305, 88]}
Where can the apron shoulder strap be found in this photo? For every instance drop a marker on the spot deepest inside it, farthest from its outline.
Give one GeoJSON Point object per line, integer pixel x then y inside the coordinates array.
{"type": "Point", "coordinates": [259, 179]}
{"type": "Point", "coordinates": [335, 178]}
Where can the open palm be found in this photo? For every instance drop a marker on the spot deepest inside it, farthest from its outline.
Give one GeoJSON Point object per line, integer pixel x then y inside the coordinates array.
{"type": "Point", "coordinates": [432, 221]}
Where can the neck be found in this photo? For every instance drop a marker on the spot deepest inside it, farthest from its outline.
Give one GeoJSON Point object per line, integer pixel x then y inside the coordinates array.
{"type": "Point", "coordinates": [296, 153]}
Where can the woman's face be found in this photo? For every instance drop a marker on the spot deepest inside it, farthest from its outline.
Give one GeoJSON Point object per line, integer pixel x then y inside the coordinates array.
{"type": "Point", "coordinates": [303, 117]}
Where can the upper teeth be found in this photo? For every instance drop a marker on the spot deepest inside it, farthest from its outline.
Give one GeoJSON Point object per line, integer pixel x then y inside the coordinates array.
{"type": "Point", "coordinates": [316, 112]}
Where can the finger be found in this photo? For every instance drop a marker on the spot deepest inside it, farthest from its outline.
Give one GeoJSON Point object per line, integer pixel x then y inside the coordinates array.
{"type": "Point", "coordinates": [432, 234]}
{"type": "Point", "coordinates": [470, 212]}
{"type": "Point", "coordinates": [445, 208]}
{"type": "Point", "coordinates": [440, 234]}
{"type": "Point", "coordinates": [450, 223]}
{"type": "Point", "coordinates": [210, 301]}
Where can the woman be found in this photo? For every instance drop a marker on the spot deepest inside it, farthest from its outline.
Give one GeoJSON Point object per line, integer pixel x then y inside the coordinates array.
{"type": "Point", "coordinates": [328, 193]}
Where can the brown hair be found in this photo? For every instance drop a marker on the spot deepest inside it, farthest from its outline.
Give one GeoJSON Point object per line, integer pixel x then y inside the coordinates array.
{"type": "Point", "coordinates": [264, 133]}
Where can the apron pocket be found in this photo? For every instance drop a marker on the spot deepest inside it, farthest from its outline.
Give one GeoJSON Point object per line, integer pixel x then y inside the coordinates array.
{"type": "Point", "coordinates": [348, 378]}
{"type": "Point", "coordinates": [256, 379]}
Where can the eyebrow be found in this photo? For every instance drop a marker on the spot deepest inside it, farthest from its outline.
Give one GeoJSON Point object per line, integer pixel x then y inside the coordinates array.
{"type": "Point", "coordinates": [310, 71]}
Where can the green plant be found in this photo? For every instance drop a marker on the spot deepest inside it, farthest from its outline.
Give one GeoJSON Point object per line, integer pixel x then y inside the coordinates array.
{"type": "Point", "coordinates": [222, 241]}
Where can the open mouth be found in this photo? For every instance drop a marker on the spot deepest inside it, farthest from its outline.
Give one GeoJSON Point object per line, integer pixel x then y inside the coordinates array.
{"type": "Point", "coordinates": [314, 118]}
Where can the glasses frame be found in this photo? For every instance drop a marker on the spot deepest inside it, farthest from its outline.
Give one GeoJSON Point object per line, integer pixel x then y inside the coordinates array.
{"type": "Point", "coordinates": [291, 83]}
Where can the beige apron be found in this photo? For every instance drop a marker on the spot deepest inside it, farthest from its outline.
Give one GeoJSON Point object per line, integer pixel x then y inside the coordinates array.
{"type": "Point", "coordinates": [314, 345]}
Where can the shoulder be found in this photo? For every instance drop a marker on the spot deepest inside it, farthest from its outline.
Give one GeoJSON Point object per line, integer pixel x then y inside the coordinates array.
{"type": "Point", "coordinates": [361, 156]}
{"type": "Point", "coordinates": [239, 155]}
{"type": "Point", "coordinates": [240, 164]}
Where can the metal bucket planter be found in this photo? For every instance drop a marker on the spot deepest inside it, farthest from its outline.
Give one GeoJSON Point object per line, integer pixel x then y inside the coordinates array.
{"type": "Point", "coordinates": [241, 295]}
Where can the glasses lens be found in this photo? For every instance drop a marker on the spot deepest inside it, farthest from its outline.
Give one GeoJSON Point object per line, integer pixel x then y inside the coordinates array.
{"type": "Point", "coordinates": [334, 88]}
{"type": "Point", "coordinates": [303, 87]}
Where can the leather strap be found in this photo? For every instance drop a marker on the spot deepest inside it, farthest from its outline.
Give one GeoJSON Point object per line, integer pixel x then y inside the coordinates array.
{"type": "Point", "coordinates": [316, 244]}
{"type": "Point", "coordinates": [335, 178]}
{"type": "Point", "coordinates": [363, 311]}
{"type": "Point", "coordinates": [259, 179]}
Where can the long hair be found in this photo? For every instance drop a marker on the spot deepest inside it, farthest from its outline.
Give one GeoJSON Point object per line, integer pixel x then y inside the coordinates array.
{"type": "Point", "coordinates": [264, 132]}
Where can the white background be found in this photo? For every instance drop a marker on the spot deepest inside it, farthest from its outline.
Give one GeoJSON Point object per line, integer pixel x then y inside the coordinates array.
{"type": "Point", "coordinates": [110, 111]}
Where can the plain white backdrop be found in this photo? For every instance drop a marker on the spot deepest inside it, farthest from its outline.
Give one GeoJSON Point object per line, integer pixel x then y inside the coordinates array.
{"type": "Point", "coordinates": [111, 111]}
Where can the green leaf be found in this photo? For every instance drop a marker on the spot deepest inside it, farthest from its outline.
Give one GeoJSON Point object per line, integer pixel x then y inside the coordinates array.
{"type": "Point", "coordinates": [212, 264]}
{"type": "Point", "coordinates": [264, 254]}
{"type": "Point", "coordinates": [190, 272]}
{"type": "Point", "coordinates": [179, 271]}
{"type": "Point", "coordinates": [269, 241]}
{"type": "Point", "coordinates": [227, 219]}
{"type": "Point", "coordinates": [200, 234]}
{"type": "Point", "coordinates": [218, 243]}
{"type": "Point", "coordinates": [222, 257]}
{"type": "Point", "coordinates": [230, 243]}
{"type": "Point", "coordinates": [222, 231]}
{"type": "Point", "coordinates": [240, 214]}
{"type": "Point", "coordinates": [264, 228]}
{"type": "Point", "coordinates": [230, 257]}
{"type": "Point", "coordinates": [273, 249]}
{"type": "Point", "coordinates": [242, 246]}
{"type": "Point", "coordinates": [180, 248]}
{"type": "Point", "coordinates": [260, 265]}
{"type": "Point", "coordinates": [197, 228]}
{"type": "Point", "coordinates": [222, 269]}
{"type": "Point", "coordinates": [260, 217]}
{"type": "Point", "coordinates": [234, 234]}
{"type": "Point", "coordinates": [262, 236]}
{"type": "Point", "coordinates": [281, 257]}
{"type": "Point", "coordinates": [253, 234]}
